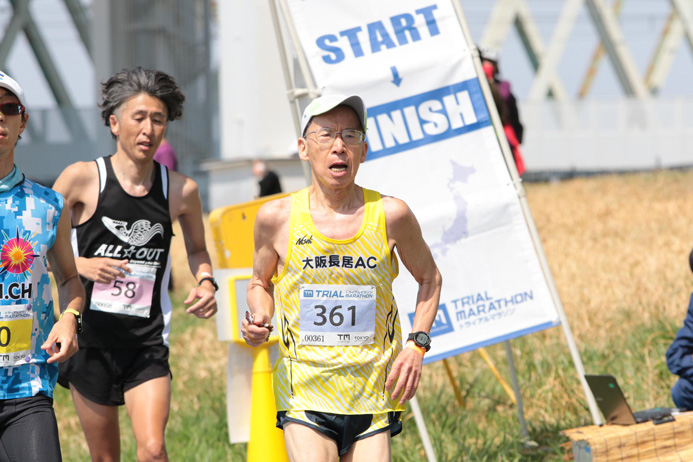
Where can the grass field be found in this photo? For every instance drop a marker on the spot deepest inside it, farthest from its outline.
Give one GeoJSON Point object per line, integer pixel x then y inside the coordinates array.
{"type": "Point", "coordinates": [618, 249]}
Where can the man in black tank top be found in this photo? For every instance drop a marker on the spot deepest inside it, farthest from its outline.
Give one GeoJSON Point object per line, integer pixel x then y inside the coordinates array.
{"type": "Point", "coordinates": [123, 207]}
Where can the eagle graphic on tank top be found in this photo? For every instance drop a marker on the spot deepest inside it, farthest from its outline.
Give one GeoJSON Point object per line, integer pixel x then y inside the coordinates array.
{"type": "Point", "coordinates": [139, 234]}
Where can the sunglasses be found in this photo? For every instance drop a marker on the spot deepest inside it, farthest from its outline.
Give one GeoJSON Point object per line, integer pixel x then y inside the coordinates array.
{"type": "Point", "coordinates": [11, 109]}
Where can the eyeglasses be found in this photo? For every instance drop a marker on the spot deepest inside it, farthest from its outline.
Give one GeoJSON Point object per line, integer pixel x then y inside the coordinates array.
{"type": "Point", "coordinates": [349, 136]}
{"type": "Point", "coordinates": [11, 109]}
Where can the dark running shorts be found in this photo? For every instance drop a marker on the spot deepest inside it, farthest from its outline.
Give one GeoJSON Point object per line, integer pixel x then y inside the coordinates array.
{"type": "Point", "coordinates": [344, 429]}
{"type": "Point", "coordinates": [28, 430]}
{"type": "Point", "coordinates": [104, 375]}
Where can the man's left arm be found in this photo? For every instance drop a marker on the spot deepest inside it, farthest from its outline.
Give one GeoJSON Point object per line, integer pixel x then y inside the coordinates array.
{"type": "Point", "coordinates": [404, 233]}
{"type": "Point", "coordinates": [200, 264]}
{"type": "Point", "coordinates": [61, 342]}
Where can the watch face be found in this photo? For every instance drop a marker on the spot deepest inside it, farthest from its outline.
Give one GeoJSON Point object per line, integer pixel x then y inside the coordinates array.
{"type": "Point", "coordinates": [422, 339]}
{"type": "Point", "coordinates": [79, 323]}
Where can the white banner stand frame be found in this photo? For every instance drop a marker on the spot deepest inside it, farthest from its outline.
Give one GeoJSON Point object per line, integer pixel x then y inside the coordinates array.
{"type": "Point", "coordinates": [300, 95]}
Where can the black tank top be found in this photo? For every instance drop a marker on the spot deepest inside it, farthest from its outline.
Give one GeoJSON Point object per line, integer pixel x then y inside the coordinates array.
{"type": "Point", "coordinates": [134, 311]}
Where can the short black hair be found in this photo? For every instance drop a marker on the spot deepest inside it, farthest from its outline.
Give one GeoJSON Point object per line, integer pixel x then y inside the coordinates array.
{"type": "Point", "coordinates": [690, 260]}
{"type": "Point", "coordinates": [131, 82]}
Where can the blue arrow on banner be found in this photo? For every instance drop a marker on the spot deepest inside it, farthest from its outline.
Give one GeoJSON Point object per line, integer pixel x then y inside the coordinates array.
{"type": "Point", "coordinates": [396, 79]}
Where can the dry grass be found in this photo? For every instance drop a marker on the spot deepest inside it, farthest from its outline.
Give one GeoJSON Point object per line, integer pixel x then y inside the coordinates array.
{"type": "Point", "coordinates": [618, 247]}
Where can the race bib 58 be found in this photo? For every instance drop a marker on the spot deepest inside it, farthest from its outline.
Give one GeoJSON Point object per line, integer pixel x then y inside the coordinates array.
{"type": "Point", "coordinates": [131, 295]}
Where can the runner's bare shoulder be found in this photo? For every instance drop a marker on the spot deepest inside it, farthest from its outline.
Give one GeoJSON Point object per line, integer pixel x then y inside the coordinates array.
{"type": "Point", "coordinates": [77, 181]}
{"type": "Point", "coordinates": [182, 184]}
{"type": "Point", "coordinates": [396, 210]}
{"type": "Point", "coordinates": [184, 195]}
{"type": "Point", "coordinates": [273, 215]}
{"type": "Point", "coordinates": [399, 219]}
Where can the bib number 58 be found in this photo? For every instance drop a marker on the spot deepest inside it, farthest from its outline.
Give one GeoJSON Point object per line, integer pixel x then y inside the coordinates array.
{"type": "Point", "coordinates": [128, 290]}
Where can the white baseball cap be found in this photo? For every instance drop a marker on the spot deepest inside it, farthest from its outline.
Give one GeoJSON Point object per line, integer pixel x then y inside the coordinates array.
{"type": "Point", "coordinates": [11, 84]}
{"type": "Point", "coordinates": [326, 103]}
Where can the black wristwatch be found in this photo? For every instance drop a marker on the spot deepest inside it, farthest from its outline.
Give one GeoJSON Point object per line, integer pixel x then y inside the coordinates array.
{"type": "Point", "coordinates": [421, 338]}
{"type": "Point", "coordinates": [210, 279]}
{"type": "Point", "coordinates": [77, 314]}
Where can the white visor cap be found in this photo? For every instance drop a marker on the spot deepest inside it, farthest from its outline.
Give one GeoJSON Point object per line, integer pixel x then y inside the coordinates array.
{"type": "Point", "coordinates": [326, 103]}
{"type": "Point", "coordinates": [11, 84]}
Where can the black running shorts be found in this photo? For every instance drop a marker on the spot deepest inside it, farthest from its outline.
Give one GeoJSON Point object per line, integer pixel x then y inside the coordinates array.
{"type": "Point", "coordinates": [28, 430]}
{"type": "Point", "coordinates": [104, 375]}
{"type": "Point", "coordinates": [344, 429]}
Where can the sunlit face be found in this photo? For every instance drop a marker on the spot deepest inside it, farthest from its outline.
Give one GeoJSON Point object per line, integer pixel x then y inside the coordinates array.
{"type": "Point", "coordinates": [10, 126]}
{"type": "Point", "coordinates": [333, 164]}
{"type": "Point", "coordinates": [139, 125]}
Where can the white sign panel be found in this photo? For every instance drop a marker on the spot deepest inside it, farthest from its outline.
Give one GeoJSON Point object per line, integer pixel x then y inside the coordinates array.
{"type": "Point", "coordinates": [432, 144]}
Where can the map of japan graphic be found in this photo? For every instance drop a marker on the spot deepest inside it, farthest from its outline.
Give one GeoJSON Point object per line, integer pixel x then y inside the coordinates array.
{"type": "Point", "coordinates": [459, 228]}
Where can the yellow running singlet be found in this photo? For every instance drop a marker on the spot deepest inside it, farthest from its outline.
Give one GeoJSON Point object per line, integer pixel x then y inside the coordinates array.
{"type": "Point", "coordinates": [338, 320]}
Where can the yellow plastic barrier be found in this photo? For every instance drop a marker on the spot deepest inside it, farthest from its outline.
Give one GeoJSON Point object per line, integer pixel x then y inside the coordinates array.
{"type": "Point", "coordinates": [232, 230]}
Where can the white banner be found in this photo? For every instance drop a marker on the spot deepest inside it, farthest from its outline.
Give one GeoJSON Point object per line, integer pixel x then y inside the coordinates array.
{"type": "Point", "coordinates": [432, 144]}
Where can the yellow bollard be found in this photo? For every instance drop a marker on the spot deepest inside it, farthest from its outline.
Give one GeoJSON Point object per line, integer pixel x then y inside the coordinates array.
{"type": "Point", "coordinates": [232, 229]}
{"type": "Point", "coordinates": [266, 440]}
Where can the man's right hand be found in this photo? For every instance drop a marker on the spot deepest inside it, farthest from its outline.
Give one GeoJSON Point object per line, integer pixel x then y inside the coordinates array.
{"type": "Point", "coordinates": [256, 329]}
{"type": "Point", "coordinates": [103, 270]}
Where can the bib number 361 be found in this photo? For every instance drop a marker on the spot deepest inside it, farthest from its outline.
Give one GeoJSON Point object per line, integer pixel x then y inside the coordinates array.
{"type": "Point", "coordinates": [334, 315]}
{"type": "Point", "coordinates": [335, 318]}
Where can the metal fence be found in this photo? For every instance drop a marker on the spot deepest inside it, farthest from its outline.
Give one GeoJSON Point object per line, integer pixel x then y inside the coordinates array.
{"type": "Point", "coordinates": [593, 136]}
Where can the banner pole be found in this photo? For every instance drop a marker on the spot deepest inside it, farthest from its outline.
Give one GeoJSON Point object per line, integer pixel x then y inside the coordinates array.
{"type": "Point", "coordinates": [423, 432]}
{"type": "Point", "coordinates": [300, 55]}
{"type": "Point", "coordinates": [293, 93]}
{"type": "Point", "coordinates": [288, 81]}
{"type": "Point", "coordinates": [518, 395]}
{"type": "Point", "coordinates": [453, 382]}
{"type": "Point", "coordinates": [517, 181]}
{"type": "Point", "coordinates": [494, 370]}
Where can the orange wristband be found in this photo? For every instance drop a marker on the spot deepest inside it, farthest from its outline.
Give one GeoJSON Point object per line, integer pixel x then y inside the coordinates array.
{"type": "Point", "coordinates": [414, 346]}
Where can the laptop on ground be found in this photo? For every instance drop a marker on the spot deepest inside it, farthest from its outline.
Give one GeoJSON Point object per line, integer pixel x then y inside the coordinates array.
{"type": "Point", "coordinates": [614, 406]}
